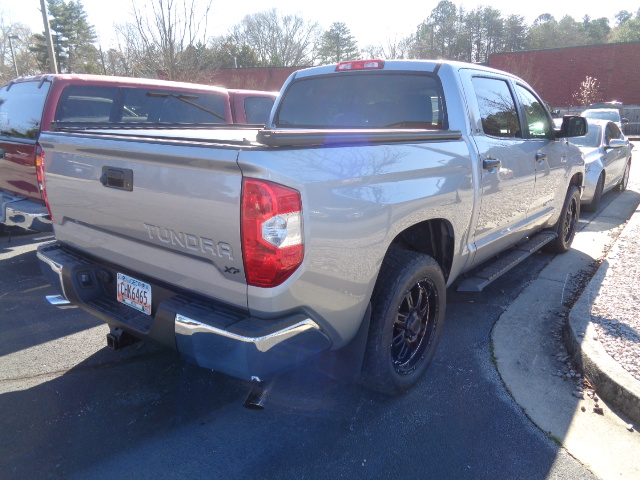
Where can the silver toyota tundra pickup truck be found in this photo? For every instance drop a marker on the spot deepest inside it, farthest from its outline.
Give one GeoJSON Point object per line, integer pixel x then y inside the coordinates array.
{"type": "Point", "coordinates": [333, 232]}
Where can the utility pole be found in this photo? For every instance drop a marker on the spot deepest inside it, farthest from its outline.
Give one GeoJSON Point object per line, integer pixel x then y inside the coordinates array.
{"type": "Point", "coordinates": [13, 55]}
{"type": "Point", "coordinates": [47, 33]}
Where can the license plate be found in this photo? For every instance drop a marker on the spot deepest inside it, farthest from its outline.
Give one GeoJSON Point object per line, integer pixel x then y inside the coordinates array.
{"type": "Point", "coordinates": [134, 293]}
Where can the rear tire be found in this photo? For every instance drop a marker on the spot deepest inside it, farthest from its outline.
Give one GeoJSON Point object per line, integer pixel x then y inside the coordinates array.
{"type": "Point", "coordinates": [408, 306]}
{"type": "Point", "coordinates": [597, 195]}
{"type": "Point", "coordinates": [567, 225]}
{"type": "Point", "coordinates": [624, 181]}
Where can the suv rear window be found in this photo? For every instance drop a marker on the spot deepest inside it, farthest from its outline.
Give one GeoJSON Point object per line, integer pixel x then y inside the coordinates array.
{"type": "Point", "coordinates": [258, 109]}
{"type": "Point", "coordinates": [21, 106]}
{"type": "Point", "coordinates": [364, 100]}
{"type": "Point", "coordinates": [612, 116]}
{"type": "Point", "coordinates": [101, 104]}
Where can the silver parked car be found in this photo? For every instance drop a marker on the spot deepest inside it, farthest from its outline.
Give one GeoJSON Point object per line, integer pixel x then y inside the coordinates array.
{"type": "Point", "coordinates": [607, 155]}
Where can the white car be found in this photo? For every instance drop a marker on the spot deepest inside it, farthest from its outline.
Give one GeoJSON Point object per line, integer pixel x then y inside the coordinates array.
{"type": "Point", "coordinates": [607, 155]}
{"type": "Point", "coordinates": [611, 114]}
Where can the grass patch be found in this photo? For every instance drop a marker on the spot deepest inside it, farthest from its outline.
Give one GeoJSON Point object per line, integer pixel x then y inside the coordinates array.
{"type": "Point", "coordinates": [493, 355]}
{"type": "Point", "coordinates": [555, 440]}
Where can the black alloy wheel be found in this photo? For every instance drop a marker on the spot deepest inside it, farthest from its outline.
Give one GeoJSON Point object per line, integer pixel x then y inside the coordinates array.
{"type": "Point", "coordinates": [407, 316]}
{"type": "Point", "coordinates": [415, 326]}
{"type": "Point", "coordinates": [570, 221]}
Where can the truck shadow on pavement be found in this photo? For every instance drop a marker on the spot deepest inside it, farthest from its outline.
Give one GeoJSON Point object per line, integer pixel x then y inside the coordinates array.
{"type": "Point", "coordinates": [104, 408]}
{"type": "Point", "coordinates": [152, 416]}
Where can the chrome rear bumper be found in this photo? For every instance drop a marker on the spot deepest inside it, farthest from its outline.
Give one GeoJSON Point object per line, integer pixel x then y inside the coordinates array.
{"type": "Point", "coordinates": [24, 213]}
{"type": "Point", "coordinates": [204, 331]}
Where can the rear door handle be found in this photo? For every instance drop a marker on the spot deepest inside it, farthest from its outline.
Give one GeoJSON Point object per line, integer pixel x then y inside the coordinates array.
{"type": "Point", "coordinates": [541, 157]}
{"type": "Point", "coordinates": [489, 163]}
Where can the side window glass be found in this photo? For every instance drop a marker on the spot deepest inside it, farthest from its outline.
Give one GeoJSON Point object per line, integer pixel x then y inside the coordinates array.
{"type": "Point", "coordinates": [21, 106]}
{"type": "Point", "coordinates": [497, 108]}
{"type": "Point", "coordinates": [535, 114]}
{"type": "Point", "coordinates": [615, 132]}
{"type": "Point", "coordinates": [610, 132]}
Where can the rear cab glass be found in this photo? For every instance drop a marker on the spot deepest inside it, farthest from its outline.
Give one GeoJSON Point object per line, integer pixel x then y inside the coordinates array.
{"type": "Point", "coordinates": [363, 100]}
{"type": "Point", "coordinates": [21, 107]}
{"type": "Point", "coordinates": [101, 104]}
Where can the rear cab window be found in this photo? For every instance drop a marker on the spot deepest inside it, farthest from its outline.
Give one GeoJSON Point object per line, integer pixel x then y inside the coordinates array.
{"type": "Point", "coordinates": [364, 100]}
{"type": "Point", "coordinates": [101, 104]}
{"type": "Point", "coordinates": [21, 107]}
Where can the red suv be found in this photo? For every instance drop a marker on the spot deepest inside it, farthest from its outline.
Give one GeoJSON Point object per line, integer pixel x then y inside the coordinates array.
{"type": "Point", "coordinates": [28, 105]}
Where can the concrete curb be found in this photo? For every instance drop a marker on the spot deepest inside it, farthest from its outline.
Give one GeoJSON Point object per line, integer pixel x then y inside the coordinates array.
{"type": "Point", "coordinates": [612, 382]}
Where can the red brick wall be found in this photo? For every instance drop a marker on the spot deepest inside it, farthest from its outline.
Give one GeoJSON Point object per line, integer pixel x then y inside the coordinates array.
{"type": "Point", "coordinates": [556, 74]}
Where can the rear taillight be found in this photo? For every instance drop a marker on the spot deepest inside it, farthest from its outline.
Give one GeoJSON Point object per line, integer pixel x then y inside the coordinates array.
{"type": "Point", "coordinates": [272, 242]}
{"type": "Point", "coordinates": [360, 65]}
{"type": "Point", "coordinates": [40, 176]}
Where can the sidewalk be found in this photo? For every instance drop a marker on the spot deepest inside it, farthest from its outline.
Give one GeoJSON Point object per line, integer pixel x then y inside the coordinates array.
{"type": "Point", "coordinates": [603, 333]}
{"type": "Point", "coordinates": [532, 337]}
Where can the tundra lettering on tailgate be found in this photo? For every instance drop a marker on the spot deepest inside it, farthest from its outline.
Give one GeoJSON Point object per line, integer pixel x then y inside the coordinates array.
{"type": "Point", "coordinates": [188, 241]}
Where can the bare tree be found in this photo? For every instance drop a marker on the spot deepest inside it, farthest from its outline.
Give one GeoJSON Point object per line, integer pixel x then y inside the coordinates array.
{"type": "Point", "coordinates": [372, 51]}
{"type": "Point", "coordinates": [164, 37]}
{"type": "Point", "coordinates": [395, 48]}
{"type": "Point", "coordinates": [21, 38]}
{"type": "Point", "coordinates": [589, 92]}
{"type": "Point", "coordinates": [278, 40]}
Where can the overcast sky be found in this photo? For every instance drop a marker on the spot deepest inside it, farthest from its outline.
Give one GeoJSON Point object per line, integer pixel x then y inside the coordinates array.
{"type": "Point", "coordinates": [368, 23]}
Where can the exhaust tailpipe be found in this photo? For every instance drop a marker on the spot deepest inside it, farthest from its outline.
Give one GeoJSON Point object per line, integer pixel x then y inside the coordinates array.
{"type": "Point", "coordinates": [257, 395]}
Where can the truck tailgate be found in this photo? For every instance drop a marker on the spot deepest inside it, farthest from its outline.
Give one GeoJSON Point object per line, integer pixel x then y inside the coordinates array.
{"type": "Point", "coordinates": [158, 208]}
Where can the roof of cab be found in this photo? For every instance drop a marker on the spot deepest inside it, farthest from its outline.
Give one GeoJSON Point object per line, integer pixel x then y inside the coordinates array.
{"type": "Point", "coordinates": [79, 79]}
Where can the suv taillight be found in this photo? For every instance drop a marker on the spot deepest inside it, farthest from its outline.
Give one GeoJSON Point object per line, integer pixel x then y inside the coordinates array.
{"type": "Point", "coordinates": [40, 176]}
{"type": "Point", "coordinates": [272, 242]}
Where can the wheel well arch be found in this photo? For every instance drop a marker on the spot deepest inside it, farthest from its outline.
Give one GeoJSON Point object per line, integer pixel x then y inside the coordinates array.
{"type": "Point", "coordinates": [577, 180]}
{"type": "Point", "coordinates": [434, 237]}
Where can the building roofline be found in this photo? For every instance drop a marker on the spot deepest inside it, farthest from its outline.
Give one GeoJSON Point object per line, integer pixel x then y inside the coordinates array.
{"type": "Point", "coordinates": [564, 48]}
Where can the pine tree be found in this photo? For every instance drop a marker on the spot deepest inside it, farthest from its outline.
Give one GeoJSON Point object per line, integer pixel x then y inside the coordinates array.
{"type": "Point", "coordinates": [73, 39]}
{"type": "Point", "coordinates": [337, 45]}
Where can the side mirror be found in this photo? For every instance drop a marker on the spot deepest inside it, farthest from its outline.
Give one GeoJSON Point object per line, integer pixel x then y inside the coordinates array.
{"type": "Point", "coordinates": [572, 126]}
{"type": "Point", "coordinates": [624, 120]}
{"type": "Point", "coordinates": [616, 143]}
